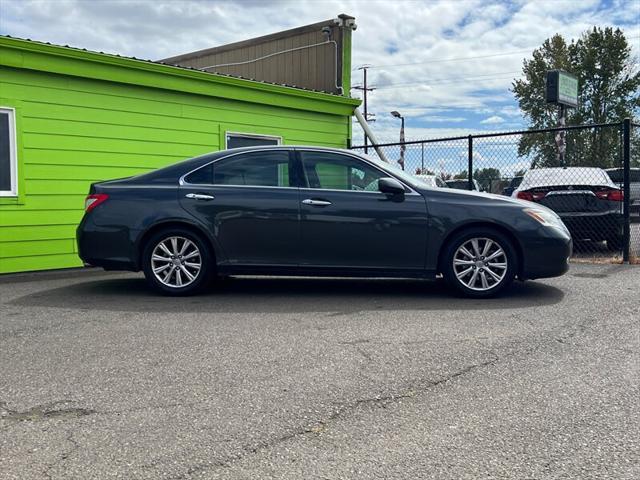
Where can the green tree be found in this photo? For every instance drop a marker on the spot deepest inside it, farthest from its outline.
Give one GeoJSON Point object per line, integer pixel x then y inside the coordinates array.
{"type": "Point", "coordinates": [487, 177]}
{"type": "Point", "coordinates": [464, 174]}
{"type": "Point", "coordinates": [609, 85]}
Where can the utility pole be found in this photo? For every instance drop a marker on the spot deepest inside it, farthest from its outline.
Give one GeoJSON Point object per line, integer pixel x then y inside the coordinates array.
{"type": "Point", "coordinates": [365, 89]}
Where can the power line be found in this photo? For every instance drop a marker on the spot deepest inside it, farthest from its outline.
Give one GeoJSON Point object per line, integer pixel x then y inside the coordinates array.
{"type": "Point", "coordinates": [444, 81]}
{"type": "Point", "coordinates": [440, 60]}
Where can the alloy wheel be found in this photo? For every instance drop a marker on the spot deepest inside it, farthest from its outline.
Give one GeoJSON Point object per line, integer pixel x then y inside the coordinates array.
{"type": "Point", "coordinates": [176, 262]}
{"type": "Point", "coordinates": [480, 264]}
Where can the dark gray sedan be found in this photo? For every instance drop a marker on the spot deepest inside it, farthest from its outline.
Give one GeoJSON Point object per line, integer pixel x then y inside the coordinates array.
{"type": "Point", "coordinates": [313, 212]}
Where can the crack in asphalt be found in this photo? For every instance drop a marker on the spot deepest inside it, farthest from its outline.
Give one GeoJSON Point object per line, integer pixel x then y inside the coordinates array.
{"type": "Point", "coordinates": [341, 411]}
{"type": "Point", "coordinates": [42, 412]}
{"type": "Point", "coordinates": [63, 456]}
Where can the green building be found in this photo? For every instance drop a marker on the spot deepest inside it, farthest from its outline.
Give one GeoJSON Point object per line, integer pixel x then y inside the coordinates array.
{"type": "Point", "coordinates": [69, 117]}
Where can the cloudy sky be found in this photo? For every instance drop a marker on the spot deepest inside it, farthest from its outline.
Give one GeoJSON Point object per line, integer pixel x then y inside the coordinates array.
{"type": "Point", "coordinates": [446, 65]}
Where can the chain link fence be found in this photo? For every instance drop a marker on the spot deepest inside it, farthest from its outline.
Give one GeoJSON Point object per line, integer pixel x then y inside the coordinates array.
{"type": "Point", "coordinates": [589, 175]}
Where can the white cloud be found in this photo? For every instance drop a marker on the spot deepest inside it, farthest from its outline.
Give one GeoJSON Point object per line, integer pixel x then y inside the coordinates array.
{"type": "Point", "coordinates": [510, 111]}
{"type": "Point", "coordinates": [440, 119]}
{"type": "Point", "coordinates": [492, 120]}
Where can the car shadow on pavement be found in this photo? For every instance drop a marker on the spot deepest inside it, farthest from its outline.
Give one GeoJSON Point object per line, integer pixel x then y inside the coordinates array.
{"type": "Point", "coordinates": [285, 295]}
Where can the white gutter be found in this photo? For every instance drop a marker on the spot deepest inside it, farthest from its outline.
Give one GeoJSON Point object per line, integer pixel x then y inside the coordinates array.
{"type": "Point", "coordinates": [369, 133]}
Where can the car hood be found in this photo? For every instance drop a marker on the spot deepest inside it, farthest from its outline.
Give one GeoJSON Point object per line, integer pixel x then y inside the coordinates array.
{"type": "Point", "coordinates": [482, 195]}
{"type": "Point", "coordinates": [472, 195]}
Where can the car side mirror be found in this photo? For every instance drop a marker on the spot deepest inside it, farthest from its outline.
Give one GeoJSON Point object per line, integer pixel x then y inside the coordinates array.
{"type": "Point", "coordinates": [390, 186]}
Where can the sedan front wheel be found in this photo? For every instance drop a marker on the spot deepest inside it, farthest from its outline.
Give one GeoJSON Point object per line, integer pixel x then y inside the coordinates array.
{"type": "Point", "coordinates": [480, 262]}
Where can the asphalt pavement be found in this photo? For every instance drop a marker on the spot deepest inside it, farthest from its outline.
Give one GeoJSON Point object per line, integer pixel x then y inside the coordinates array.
{"type": "Point", "coordinates": [320, 379]}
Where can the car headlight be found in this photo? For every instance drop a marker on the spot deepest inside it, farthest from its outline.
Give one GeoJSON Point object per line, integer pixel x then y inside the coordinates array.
{"type": "Point", "coordinates": [546, 218]}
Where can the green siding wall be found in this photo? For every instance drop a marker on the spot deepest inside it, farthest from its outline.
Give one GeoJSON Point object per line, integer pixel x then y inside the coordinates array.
{"type": "Point", "coordinates": [74, 130]}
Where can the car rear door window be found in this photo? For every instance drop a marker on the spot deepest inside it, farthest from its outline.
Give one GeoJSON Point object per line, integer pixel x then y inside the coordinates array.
{"type": "Point", "coordinates": [258, 169]}
{"type": "Point", "coordinates": [202, 176]}
{"type": "Point", "coordinates": [330, 171]}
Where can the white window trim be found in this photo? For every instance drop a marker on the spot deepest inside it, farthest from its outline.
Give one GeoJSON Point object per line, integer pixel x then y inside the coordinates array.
{"type": "Point", "coordinates": [13, 153]}
{"type": "Point", "coordinates": [250, 135]}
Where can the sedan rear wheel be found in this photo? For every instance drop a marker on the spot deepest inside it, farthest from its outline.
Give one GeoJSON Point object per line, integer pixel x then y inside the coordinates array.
{"type": "Point", "coordinates": [480, 262]}
{"type": "Point", "coordinates": [177, 262]}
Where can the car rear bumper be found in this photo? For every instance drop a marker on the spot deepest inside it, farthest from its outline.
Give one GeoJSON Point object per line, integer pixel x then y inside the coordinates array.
{"type": "Point", "coordinates": [594, 227]}
{"type": "Point", "coordinates": [108, 247]}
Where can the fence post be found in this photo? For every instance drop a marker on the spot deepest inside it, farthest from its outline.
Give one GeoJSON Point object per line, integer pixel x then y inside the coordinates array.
{"type": "Point", "coordinates": [626, 165]}
{"type": "Point", "coordinates": [470, 166]}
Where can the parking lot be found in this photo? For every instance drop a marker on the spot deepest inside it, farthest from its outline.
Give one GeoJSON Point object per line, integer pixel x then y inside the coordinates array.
{"type": "Point", "coordinates": [319, 379]}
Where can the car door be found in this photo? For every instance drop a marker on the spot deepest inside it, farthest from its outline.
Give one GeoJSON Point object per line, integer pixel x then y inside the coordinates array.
{"type": "Point", "coordinates": [347, 223]}
{"type": "Point", "coordinates": [249, 201]}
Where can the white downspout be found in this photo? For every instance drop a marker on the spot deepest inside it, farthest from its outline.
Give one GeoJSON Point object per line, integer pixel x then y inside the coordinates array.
{"type": "Point", "coordinates": [369, 133]}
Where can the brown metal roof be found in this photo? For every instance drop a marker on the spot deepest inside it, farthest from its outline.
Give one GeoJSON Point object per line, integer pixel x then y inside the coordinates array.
{"type": "Point", "coordinates": [162, 62]}
{"type": "Point", "coordinates": [308, 57]}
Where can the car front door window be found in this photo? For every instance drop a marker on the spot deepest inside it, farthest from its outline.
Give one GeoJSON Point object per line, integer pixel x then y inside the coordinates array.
{"type": "Point", "coordinates": [331, 171]}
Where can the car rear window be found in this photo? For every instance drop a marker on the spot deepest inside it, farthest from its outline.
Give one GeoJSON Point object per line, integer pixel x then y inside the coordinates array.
{"type": "Point", "coordinates": [548, 177]}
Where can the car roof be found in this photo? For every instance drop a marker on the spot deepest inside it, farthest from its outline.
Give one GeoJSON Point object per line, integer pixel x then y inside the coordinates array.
{"type": "Point", "coordinates": [169, 173]}
{"type": "Point", "coordinates": [175, 170]}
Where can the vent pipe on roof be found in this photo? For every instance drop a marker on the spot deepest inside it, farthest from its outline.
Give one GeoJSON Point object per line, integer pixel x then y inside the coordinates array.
{"type": "Point", "coordinates": [369, 134]}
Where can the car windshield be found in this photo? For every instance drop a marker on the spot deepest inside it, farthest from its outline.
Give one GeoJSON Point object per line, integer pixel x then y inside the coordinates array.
{"type": "Point", "coordinates": [549, 177]}
{"type": "Point", "coordinates": [396, 171]}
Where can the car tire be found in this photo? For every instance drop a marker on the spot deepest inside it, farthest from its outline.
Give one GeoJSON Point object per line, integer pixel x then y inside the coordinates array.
{"type": "Point", "coordinates": [478, 276]}
{"type": "Point", "coordinates": [182, 255]}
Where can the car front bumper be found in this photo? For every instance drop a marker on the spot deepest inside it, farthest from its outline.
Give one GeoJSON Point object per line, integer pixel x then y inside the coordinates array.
{"type": "Point", "coordinates": [547, 255]}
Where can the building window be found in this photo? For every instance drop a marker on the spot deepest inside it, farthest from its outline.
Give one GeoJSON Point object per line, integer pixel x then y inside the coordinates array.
{"type": "Point", "coordinates": [8, 157]}
{"type": "Point", "coordinates": [235, 140]}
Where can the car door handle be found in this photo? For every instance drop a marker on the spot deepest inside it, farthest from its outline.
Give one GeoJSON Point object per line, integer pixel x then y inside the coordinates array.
{"type": "Point", "coordinates": [199, 196]}
{"type": "Point", "coordinates": [317, 203]}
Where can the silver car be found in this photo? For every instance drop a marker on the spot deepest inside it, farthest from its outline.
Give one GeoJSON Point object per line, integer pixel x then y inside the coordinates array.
{"type": "Point", "coordinates": [617, 176]}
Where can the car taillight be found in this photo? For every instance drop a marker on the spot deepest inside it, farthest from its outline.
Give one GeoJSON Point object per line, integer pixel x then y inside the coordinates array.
{"type": "Point", "coordinates": [525, 196]}
{"type": "Point", "coordinates": [92, 201]}
{"type": "Point", "coordinates": [612, 194]}
{"type": "Point", "coordinates": [531, 196]}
